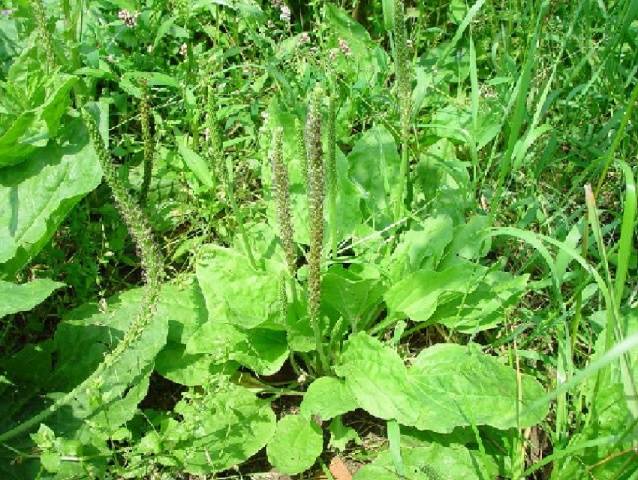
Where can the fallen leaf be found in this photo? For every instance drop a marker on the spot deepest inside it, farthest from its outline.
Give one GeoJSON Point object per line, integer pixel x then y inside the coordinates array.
{"type": "Point", "coordinates": [339, 469]}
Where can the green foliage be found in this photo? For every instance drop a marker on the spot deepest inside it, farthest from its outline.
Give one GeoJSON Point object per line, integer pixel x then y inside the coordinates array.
{"type": "Point", "coordinates": [432, 462]}
{"type": "Point", "coordinates": [470, 387]}
{"type": "Point", "coordinates": [374, 232]}
{"type": "Point", "coordinates": [296, 445]}
{"type": "Point", "coordinates": [219, 429]}
{"type": "Point", "coordinates": [41, 191]}
{"type": "Point", "coordinates": [17, 298]}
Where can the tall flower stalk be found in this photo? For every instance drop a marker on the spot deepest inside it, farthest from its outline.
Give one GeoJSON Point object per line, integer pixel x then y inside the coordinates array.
{"type": "Point", "coordinates": [149, 144]}
{"type": "Point", "coordinates": [331, 172]}
{"type": "Point", "coordinates": [213, 138]}
{"type": "Point", "coordinates": [282, 196]}
{"type": "Point", "coordinates": [43, 33]}
{"type": "Point", "coordinates": [152, 266]}
{"type": "Point", "coordinates": [316, 193]}
{"type": "Point", "coordinates": [404, 93]}
{"type": "Point", "coordinates": [301, 148]}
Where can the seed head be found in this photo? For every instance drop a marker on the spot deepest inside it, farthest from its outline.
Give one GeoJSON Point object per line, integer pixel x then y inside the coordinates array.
{"type": "Point", "coordinates": [282, 194]}
{"type": "Point", "coordinates": [316, 188]}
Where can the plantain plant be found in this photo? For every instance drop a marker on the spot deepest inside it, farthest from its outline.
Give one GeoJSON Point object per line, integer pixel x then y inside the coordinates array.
{"type": "Point", "coordinates": [151, 263]}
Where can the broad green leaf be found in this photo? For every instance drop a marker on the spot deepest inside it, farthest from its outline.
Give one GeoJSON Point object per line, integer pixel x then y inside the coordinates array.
{"type": "Point", "coordinates": [367, 59]}
{"type": "Point", "coordinates": [19, 298]}
{"type": "Point", "coordinates": [432, 461]}
{"type": "Point", "coordinates": [442, 180]}
{"type": "Point", "coordinates": [296, 445]}
{"type": "Point", "coordinates": [130, 81]}
{"type": "Point", "coordinates": [465, 241]}
{"type": "Point", "coordinates": [38, 193]}
{"type": "Point", "coordinates": [174, 363]}
{"type": "Point", "coordinates": [218, 430]}
{"type": "Point", "coordinates": [483, 308]}
{"type": "Point", "coordinates": [81, 341]}
{"type": "Point", "coordinates": [260, 349]}
{"type": "Point", "coordinates": [463, 386]}
{"type": "Point", "coordinates": [377, 377]}
{"type": "Point", "coordinates": [196, 164]}
{"type": "Point", "coordinates": [327, 397]}
{"type": "Point", "coordinates": [374, 168]}
{"type": "Point", "coordinates": [349, 294]}
{"type": "Point", "coordinates": [235, 292]}
{"type": "Point", "coordinates": [447, 386]}
{"type": "Point", "coordinates": [163, 29]}
{"type": "Point", "coordinates": [421, 247]}
{"type": "Point", "coordinates": [34, 128]}
{"type": "Point", "coordinates": [457, 11]}
{"type": "Point", "coordinates": [418, 295]}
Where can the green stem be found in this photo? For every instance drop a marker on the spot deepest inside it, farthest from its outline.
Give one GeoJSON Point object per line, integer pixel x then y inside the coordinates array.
{"type": "Point", "coordinates": [404, 93]}
{"type": "Point", "coordinates": [149, 147]}
{"type": "Point", "coordinates": [332, 174]}
{"type": "Point", "coordinates": [230, 191]}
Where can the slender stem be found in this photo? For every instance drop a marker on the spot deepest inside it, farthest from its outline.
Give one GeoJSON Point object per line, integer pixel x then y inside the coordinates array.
{"type": "Point", "coordinates": [332, 174]}
{"type": "Point", "coordinates": [404, 93]}
{"type": "Point", "coordinates": [149, 147]}
{"type": "Point", "coordinates": [230, 191]}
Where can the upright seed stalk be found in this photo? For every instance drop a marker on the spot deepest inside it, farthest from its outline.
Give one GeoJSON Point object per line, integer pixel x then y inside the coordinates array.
{"type": "Point", "coordinates": [230, 192]}
{"type": "Point", "coordinates": [214, 142]}
{"type": "Point", "coordinates": [316, 189]}
{"type": "Point", "coordinates": [149, 144]}
{"type": "Point", "coordinates": [282, 195]}
{"type": "Point", "coordinates": [402, 72]}
{"type": "Point", "coordinates": [301, 148]}
{"type": "Point", "coordinates": [44, 34]}
{"type": "Point", "coordinates": [331, 172]}
{"type": "Point", "coordinates": [152, 266]}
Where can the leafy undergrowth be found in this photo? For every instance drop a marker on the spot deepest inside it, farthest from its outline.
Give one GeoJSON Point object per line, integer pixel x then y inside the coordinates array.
{"type": "Point", "coordinates": [277, 240]}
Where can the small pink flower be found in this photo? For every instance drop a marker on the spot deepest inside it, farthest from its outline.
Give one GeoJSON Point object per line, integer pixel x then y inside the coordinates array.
{"type": "Point", "coordinates": [344, 47]}
{"type": "Point", "coordinates": [286, 14]}
{"type": "Point", "coordinates": [129, 19]}
{"type": "Point", "coordinates": [304, 38]}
